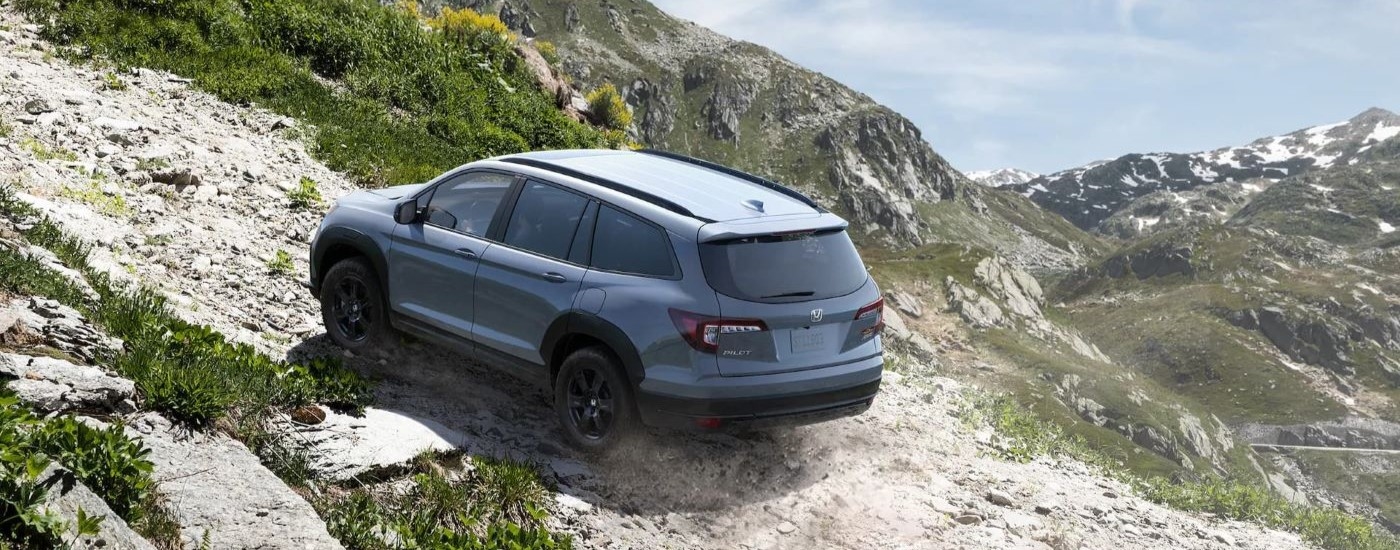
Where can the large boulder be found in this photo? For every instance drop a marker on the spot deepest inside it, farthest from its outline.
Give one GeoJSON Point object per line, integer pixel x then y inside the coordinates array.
{"type": "Point", "coordinates": [66, 496]}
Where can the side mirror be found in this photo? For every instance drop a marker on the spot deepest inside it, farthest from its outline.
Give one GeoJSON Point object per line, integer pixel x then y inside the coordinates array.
{"type": "Point", "coordinates": [406, 212]}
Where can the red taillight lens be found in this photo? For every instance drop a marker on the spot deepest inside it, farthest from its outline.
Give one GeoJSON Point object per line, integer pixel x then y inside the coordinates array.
{"type": "Point", "coordinates": [876, 310]}
{"type": "Point", "coordinates": [702, 331]}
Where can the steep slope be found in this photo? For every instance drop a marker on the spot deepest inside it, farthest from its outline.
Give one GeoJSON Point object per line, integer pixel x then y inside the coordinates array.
{"type": "Point", "coordinates": [698, 92]}
{"type": "Point", "coordinates": [1140, 193]}
{"type": "Point", "coordinates": [1002, 176]}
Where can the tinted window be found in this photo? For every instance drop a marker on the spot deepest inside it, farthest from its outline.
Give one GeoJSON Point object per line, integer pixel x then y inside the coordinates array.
{"type": "Point", "coordinates": [784, 268]}
{"type": "Point", "coordinates": [627, 244]}
{"type": "Point", "coordinates": [468, 202]}
{"type": "Point", "coordinates": [544, 220]}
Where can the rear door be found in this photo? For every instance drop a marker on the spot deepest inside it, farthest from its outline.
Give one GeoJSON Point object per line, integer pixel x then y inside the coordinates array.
{"type": "Point", "coordinates": [527, 280]}
{"type": "Point", "coordinates": [433, 263]}
{"type": "Point", "coordinates": [791, 302]}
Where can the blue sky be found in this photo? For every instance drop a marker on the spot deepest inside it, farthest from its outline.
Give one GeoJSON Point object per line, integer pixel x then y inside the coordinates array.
{"type": "Point", "coordinates": [1044, 85]}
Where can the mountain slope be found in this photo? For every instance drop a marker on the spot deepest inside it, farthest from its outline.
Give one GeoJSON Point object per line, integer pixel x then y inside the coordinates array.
{"type": "Point", "coordinates": [1141, 193]}
{"type": "Point", "coordinates": [1002, 176]}
{"type": "Point", "coordinates": [698, 92]}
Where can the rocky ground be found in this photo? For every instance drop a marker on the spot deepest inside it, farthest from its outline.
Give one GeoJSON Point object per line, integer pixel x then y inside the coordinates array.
{"type": "Point", "coordinates": [189, 195]}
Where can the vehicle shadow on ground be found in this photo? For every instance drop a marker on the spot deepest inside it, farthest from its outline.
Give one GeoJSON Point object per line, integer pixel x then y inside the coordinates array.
{"type": "Point", "coordinates": [659, 471]}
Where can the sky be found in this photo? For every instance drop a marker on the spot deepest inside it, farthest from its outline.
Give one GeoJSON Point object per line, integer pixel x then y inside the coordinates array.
{"type": "Point", "coordinates": [1047, 85]}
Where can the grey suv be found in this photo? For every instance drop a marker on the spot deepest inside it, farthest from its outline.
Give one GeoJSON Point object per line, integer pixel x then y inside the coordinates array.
{"type": "Point", "coordinates": [633, 286]}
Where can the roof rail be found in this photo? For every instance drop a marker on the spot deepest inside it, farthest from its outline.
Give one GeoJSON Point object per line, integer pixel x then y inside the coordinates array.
{"type": "Point", "coordinates": [764, 182]}
{"type": "Point", "coordinates": [606, 183]}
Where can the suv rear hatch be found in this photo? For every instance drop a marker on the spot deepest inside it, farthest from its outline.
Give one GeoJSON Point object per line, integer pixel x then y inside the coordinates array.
{"type": "Point", "coordinates": [790, 301]}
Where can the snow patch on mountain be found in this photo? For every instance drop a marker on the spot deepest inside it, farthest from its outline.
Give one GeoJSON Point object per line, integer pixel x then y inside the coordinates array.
{"type": "Point", "coordinates": [1091, 194]}
{"type": "Point", "coordinates": [1001, 176]}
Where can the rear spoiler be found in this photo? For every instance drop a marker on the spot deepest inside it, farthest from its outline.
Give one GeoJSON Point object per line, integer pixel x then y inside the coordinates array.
{"type": "Point", "coordinates": [769, 225]}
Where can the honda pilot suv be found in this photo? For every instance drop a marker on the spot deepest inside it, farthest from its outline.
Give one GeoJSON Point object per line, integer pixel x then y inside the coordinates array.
{"type": "Point", "coordinates": [634, 287]}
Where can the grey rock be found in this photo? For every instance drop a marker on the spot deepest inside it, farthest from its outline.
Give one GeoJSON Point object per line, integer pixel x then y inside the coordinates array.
{"type": "Point", "coordinates": [214, 485]}
{"type": "Point", "coordinates": [180, 178]}
{"type": "Point", "coordinates": [66, 496]}
{"type": "Point", "coordinates": [976, 310]}
{"type": "Point", "coordinates": [906, 303]}
{"type": "Point", "coordinates": [999, 498]}
{"type": "Point", "coordinates": [39, 106]}
{"type": "Point", "coordinates": [57, 385]}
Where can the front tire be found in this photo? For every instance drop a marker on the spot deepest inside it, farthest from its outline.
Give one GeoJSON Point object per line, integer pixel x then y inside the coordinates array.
{"type": "Point", "coordinates": [593, 400]}
{"type": "Point", "coordinates": [352, 306]}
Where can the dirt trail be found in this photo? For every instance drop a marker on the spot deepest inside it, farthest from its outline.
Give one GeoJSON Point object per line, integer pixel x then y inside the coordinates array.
{"type": "Point", "coordinates": [891, 478]}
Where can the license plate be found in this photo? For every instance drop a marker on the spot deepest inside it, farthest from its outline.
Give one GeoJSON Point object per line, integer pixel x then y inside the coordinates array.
{"type": "Point", "coordinates": [807, 340]}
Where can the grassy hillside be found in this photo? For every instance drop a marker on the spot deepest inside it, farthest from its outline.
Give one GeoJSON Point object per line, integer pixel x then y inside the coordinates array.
{"type": "Point", "coordinates": [392, 100]}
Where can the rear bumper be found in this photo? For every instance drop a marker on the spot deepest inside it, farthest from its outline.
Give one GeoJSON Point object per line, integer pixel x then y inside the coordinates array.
{"type": "Point", "coordinates": [803, 397]}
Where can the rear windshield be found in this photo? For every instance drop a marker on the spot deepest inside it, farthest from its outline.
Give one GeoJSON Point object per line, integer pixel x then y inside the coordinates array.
{"type": "Point", "coordinates": [784, 268]}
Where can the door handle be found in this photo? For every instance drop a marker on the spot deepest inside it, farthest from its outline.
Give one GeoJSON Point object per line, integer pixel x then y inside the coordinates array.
{"type": "Point", "coordinates": [465, 253]}
{"type": "Point", "coordinates": [553, 277]}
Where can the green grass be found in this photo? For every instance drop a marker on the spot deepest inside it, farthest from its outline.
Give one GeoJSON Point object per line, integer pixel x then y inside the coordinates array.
{"type": "Point", "coordinates": [1372, 478]}
{"type": "Point", "coordinates": [1024, 436]}
{"type": "Point", "coordinates": [392, 102]}
{"type": "Point", "coordinates": [91, 194]}
{"type": "Point", "coordinates": [46, 153]}
{"type": "Point", "coordinates": [449, 503]}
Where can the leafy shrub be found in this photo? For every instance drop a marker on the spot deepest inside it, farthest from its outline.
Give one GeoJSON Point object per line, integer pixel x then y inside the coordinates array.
{"type": "Point", "coordinates": [548, 51]}
{"type": "Point", "coordinates": [45, 153]}
{"type": "Point", "coordinates": [105, 460]}
{"type": "Point", "coordinates": [111, 81]}
{"type": "Point", "coordinates": [608, 109]}
{"type": "Point", "coordinates": [466, 23]}
{"type": "Point", "coordinates": [305, 194]}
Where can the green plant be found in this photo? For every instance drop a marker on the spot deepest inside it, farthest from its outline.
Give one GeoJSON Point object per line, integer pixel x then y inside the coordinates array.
{"type": "Point", "coordinates": [92, 194]}
{"type": "Point", "coordinates": [305, 194]}
{"type": "Point", "coordinates": [608, 108]}
{"type": "Point", "coordinates": [281, 263]}
{"type": "Point", "coordinates": [151, 164]}
{"type": "Point", "coordinates": [105, 460]}
{"type": "Point", "coordinates": [111, 81]}
{"type": "Point", "coordinates": [5, 129]}
{"type": "Point", "coordinates": [494, 504]}
{"type": "Point", "coordinates": [44, 152]}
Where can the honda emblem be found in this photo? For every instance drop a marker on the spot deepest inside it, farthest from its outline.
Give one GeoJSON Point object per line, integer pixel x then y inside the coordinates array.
{"type": "Point", "coordinates": [816, 315]}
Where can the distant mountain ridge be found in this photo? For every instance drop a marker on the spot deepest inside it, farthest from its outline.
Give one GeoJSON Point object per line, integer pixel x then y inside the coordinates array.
{"type": "Point", "coordinates": [1001, 176]}
{"type": "Point", "coordinates": [1092, 194]}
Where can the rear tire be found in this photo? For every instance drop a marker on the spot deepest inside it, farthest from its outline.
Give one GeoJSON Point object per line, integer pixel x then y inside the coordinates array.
{"type": "Point", "coordinates": [353, 306]}
{"type": "Point", "coordinates": [593, 400]}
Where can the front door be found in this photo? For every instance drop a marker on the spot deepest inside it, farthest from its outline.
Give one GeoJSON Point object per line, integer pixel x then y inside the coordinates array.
{"type": "Point", "coordinates": [433, 263]}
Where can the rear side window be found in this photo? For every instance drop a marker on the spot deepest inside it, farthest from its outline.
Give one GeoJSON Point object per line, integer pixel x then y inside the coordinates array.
{"type": "Point", "coordinates": [544, 220]}
{"type": "Point", "coordinates": [624, 243]}
{"type": "Point", "coordinates": [784, 268]}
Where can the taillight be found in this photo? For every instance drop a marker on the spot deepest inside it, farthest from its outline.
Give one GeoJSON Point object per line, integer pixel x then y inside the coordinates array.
{"type": "Point", "coordinates": [876, 310]}
{"type": "Point", "coordinates": [702, 332]}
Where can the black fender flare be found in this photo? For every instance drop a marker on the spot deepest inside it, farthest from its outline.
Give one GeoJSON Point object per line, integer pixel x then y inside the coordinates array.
{"type": "Point", "coordinates": [333, 237]}
{"type": "Point", "coordinates": [578, 322]}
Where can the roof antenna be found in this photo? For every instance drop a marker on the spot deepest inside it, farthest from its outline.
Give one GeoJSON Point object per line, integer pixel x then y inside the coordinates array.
{"type": "Point", "coordinates": [754, 204]}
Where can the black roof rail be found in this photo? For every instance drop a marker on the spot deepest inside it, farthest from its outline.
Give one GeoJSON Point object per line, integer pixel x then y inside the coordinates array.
{"type": "Point", "coordinates": [764, 182]}
{"type": "Point", "coordinates": [606, 183]}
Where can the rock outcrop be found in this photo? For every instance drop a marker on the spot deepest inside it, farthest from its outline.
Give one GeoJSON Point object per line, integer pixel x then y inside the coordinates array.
{"type": "Point", "coordinates": [66, 496]}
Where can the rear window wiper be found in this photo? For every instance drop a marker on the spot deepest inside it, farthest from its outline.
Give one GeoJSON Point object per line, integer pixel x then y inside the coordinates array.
{"type": "Point", "coordinates": [788, 294]}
